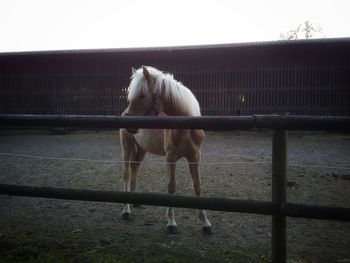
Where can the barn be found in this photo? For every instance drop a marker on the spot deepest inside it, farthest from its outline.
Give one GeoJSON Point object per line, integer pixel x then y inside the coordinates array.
{"type": "Point", "coordinates": [304, 77]}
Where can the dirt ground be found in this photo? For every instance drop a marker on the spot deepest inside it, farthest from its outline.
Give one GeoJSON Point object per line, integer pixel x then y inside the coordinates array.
{"type": "Point", "coordinates": [235, 165]}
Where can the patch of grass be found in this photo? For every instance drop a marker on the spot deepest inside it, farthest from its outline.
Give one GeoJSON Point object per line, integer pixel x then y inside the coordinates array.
{"type": "Point", "coordinates": [22, 249]}
{"type": "Point", "coordinates": [120, 250]}
{"type": "Point", "coordinates": [174, 249]}
{"type": "Point", "coordinates": [42, 243]}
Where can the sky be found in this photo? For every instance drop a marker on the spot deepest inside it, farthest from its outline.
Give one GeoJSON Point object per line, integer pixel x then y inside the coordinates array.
{"type": "Point", "coordinates": [32, 25]}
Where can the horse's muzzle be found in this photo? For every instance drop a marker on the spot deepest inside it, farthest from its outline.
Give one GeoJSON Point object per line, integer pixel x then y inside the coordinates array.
{"type": "Point", "coordinates": [131, 130]}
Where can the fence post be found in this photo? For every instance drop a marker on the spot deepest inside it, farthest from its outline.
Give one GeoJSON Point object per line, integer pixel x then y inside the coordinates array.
{"type": "Point", "coordinates": [279, 168]}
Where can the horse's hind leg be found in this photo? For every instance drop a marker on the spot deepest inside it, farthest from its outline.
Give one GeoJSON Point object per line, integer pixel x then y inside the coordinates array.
{"type": "Point", "coordinates": [137, 157]}
{"type": "Point", "coordinates": [194, 170]}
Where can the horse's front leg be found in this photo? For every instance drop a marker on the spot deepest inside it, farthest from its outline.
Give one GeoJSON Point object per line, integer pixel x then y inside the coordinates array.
{"type": "Point", "coordinates": [194, 170]}
{"type": "Point", "coordinates": [128, 145]}
{"type": "Point", "coordinates": [126, 211]}
{"type": "Point", "coordinates": [171, 164]}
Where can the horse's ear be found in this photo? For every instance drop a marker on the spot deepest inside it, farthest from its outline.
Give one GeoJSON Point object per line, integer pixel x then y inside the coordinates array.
{"type": "Point", "coordinates": [146, 74]}
{"type": "Point", "coordinates": [133, 70]}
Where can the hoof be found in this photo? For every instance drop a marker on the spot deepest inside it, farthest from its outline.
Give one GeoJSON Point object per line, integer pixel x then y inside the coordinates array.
{"type": "Point", "coordinates": [126, 216]}
{"type": "Point", "coordinates": [171, 229]}
{"type": "Point", "coordinates": [207, 230]}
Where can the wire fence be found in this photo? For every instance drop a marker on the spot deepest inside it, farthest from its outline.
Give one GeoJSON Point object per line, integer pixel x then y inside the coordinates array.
{"type": "Point", "coordinates": [279, 208]}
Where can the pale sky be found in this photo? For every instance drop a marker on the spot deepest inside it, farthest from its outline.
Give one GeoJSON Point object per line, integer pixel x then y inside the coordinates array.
{"type": "Point", "coordinates": [28, 25]}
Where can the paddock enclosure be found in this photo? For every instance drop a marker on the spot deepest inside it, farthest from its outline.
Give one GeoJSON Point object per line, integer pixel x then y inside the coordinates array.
{"type": "Point", "coordinates": [296, 77]}
{"type": "Point", "coordinates": [303, 77]}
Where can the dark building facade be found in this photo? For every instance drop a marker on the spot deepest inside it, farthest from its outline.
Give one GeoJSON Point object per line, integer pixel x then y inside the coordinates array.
{"type": "Point", "coordinates": [309, 77]}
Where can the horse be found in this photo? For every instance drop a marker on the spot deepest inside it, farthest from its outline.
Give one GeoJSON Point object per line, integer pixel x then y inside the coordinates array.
{"type": "Point", "coordinates": [154, 93]}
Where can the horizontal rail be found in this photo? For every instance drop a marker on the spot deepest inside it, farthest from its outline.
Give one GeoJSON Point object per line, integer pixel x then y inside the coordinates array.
{"type": "Point", "coordinates": [287, 122]}
{"type": "Point", "coordinates": [156, 199]}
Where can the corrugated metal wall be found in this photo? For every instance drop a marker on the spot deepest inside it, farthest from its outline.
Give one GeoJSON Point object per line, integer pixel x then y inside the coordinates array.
{"type": "Point", "coordinates": [300, 77]}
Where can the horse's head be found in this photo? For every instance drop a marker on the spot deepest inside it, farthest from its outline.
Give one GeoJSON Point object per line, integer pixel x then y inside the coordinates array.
{"type": "Point", "coordinates": [143, 97]}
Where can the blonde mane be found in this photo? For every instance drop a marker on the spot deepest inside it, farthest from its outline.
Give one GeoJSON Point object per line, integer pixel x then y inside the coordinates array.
{"type": "Point", "coordinates": [172, 92]}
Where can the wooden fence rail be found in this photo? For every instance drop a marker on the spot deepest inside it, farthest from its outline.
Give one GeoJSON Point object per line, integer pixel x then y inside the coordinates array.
{"type": "Point", "coordinates": [158, 199]}
{"type": "Point", "coordinates": [284, 122]}
{"type": "Point", "coordinates": [279, 208]}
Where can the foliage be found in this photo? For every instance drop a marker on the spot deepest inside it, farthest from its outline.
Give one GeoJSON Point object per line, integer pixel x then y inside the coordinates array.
{"type": "Point", "coordinates": [306, 30]}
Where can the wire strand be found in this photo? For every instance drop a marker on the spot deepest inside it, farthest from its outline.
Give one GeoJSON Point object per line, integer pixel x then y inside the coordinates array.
{"type": "Point", "coordinates": [116, 161]}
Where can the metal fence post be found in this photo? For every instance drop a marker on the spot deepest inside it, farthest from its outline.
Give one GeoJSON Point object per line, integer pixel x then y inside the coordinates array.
{"type": "Point", "coordinates": [279, 168]}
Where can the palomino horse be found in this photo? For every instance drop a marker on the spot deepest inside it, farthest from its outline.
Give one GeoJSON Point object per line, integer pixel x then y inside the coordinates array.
{"type": "Point", "coordinates": [151, 92]}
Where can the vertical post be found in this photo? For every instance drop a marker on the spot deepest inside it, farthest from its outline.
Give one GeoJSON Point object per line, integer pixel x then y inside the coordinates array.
{"type": "Point", "coordinates": [279, 168]}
